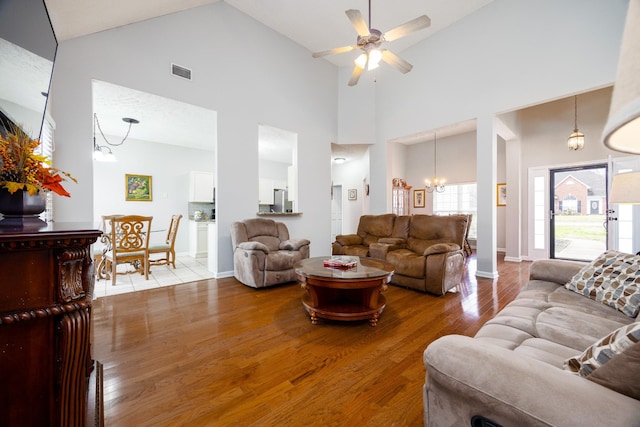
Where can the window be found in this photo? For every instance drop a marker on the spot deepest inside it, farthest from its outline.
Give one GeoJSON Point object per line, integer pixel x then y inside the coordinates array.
{"type": "Point", "coordinates": [46, 148]}
{"type": "Point", "coordinates": [458, 199]}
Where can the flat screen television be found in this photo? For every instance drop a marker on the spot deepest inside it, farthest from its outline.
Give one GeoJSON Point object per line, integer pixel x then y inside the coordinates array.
{"type": "Point", "coordinates": [27, 50]}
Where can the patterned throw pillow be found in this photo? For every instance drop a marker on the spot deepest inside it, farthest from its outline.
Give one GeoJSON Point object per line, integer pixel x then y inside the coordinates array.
{"type": "Point", "coordinates": [604, 350]}
{"type": "Point", "coordinates": [612, 279]}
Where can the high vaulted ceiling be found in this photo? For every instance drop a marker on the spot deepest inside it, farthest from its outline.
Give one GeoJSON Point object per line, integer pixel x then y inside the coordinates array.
{"type": "Point", "coordinates": [317, 25]}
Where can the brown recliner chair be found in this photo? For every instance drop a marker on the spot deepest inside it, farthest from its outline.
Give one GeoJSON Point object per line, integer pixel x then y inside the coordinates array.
{"type": "Point", "coordinates": [263, 253]}
{"type": "Point", "coordinates": [432, 259]}
{"type": "Point", "coordinates": [371, 229]}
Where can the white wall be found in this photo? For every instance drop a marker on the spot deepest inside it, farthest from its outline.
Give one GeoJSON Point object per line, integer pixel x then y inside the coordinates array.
{"type": "Point", "coordinates": [507, 55]}
{"type": "Point", "coordinates": [277, 82]}
{"type": "Point", "coordinates": [168, 166]}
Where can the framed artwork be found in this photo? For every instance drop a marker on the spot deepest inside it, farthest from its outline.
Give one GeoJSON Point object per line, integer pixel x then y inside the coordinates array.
{"type": "Point", "coordinates": [352, 194]}
{"type": "Point", "coordinates": [418, 198]}
{"type": "Point", "coordinates": [137, 188]}
{"type": "Point", "coordinates": [501, 194]}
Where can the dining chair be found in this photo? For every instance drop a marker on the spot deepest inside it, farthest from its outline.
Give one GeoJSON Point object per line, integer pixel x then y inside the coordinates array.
{"type": "Point", "coordinates": [129, 244]}
{"type": "Point", "coordinates": [102, 246]}
{"type": "Point", "coordinates": [167, 247]}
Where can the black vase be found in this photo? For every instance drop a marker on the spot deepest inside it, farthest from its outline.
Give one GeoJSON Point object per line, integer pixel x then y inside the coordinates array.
{"type": "Point", "coordinates": [21, 207]}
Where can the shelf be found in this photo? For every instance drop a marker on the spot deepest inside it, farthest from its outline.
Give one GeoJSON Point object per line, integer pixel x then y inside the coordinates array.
{"type": "Point", "coordinates": [278, 213]}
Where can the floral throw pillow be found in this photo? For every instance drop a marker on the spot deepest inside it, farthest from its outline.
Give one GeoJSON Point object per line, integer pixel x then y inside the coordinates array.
{"type": "Point", "coordinates": [612, 279]}
{"type": "Point", "coordinates": [604, 350]}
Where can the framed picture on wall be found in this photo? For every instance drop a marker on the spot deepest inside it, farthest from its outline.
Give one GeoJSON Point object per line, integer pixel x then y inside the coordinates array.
{"type": "Point", "coordinates": [418, 198]}
{"type": "Point", "coordinates": [137, 188]}
{"type": "Point", "coordinates": [501, 194]}
{"type": "Point", "coordinates": [352, 194]}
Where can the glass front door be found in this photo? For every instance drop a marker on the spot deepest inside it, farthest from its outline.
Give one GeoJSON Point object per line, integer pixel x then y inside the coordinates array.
{"type": "Point", "coordinates": [578, 208]}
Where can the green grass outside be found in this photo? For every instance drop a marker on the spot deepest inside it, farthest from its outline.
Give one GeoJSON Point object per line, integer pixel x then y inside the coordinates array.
{"type": "Point", "coordinates": [587, 227]}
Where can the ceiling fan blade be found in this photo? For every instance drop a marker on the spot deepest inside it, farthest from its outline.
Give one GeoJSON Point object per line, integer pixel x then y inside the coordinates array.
{"type": "Point", "coordinates": [358, 22]}
{"type": "Point", "coordinates": [355, 76]}
{"type": "Point", "coordinates": [396, 62]}
{"type": "Point", "coordinates": [334, 51]}
{"type": "Point", "coordinates": [407, 28]}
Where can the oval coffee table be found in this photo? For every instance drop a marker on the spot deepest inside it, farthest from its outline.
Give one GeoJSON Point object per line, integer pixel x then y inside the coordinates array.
{"type": "Point", "coordinates": [344, 294]}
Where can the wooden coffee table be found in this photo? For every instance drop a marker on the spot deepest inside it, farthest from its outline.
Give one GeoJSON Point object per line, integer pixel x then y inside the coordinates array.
{"type": "Point", "coordinates": [344, 294]}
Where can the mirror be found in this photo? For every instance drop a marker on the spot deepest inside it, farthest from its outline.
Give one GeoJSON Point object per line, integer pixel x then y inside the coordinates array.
{"type": "Point", "coordinates": [27, 48]}
{"type": "Point", "coordinates": [277, 170]}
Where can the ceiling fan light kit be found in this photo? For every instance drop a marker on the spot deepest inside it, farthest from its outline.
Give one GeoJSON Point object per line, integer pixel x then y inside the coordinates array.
{"type": "Point", "coordinates": [369, 41]}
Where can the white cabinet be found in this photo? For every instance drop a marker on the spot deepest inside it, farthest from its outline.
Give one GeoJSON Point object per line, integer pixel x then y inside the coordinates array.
{"type": "Point", "coordinates": [201, 187]}
{"type": "Point", "coordinates": [198, 239]}
{"type": "Point", "coordinates": [265, 191]}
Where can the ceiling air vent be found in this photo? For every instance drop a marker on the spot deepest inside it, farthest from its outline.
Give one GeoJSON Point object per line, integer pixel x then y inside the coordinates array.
{"type": "Point", "coordinates": [179, 71]}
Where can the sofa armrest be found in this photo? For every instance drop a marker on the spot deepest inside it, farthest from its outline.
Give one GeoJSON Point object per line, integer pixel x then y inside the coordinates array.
{"type": "Point", "coordinates": [467, 377]}
{"type": "Point", "coordinates": [253, 246]}
{"type": "Point", "coordinates": [554, 270]}
{"type": "Point", "coordinates": [441, 248]}
{"type": "Point", "coordinates": [349, 239]}
{"type": "Point", "coordinates": [293, 244]}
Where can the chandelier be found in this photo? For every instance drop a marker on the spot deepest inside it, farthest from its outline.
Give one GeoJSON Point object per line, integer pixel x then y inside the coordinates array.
{"type": "Point", "coordinates": [575, 141]}
{"type": "Point", "coordinates": [437, 184]}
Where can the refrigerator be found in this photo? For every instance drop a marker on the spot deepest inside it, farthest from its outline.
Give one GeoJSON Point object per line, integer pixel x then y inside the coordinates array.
{"type": "Point", "coordinates": [281, 202]}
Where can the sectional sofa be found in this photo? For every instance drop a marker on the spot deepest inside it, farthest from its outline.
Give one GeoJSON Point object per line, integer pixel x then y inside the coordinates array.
{"type": "Point", "coordinates": [565, 352]}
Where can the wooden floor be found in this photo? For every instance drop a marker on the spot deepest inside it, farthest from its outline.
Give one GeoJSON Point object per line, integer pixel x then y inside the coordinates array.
{"type": "Point", "coordinates": [217, 353]}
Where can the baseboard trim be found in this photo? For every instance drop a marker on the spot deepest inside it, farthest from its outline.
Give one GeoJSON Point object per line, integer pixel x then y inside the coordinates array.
{"type": "Point", "coordinates": [487, 274]}
{"type": "Point", "coordinates": [512, 259]}
{"type": "Point", "coordinates": [223, 274]}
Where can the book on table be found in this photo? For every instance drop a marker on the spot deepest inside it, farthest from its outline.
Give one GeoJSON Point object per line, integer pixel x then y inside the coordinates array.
{"type": "Point", "coordinates": [342, 262]}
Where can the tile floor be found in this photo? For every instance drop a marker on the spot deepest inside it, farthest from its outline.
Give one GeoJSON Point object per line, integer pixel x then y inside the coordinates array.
{"type": "Point", "coordinates": [187, 269]}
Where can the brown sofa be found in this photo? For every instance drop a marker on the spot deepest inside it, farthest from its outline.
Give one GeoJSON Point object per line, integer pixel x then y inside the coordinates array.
{"type": "Point", "coordinates": [371, 228]}
{"type": "Point", "coordinates": [426, 250]}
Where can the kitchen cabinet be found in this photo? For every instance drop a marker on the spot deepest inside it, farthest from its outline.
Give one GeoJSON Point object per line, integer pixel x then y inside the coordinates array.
{"type": "Point", "coordinates": [198, 239]}
{"type": "Point", "coordinates": [265, 191]}
{"type": "Point", "coordinates": [201, 187]}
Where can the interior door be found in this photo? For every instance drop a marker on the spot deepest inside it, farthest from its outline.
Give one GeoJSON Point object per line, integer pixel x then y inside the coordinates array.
{"type": "Point", "coordinates": [578, 212]}
{"type": "Point", "coordinates": [336, 211]}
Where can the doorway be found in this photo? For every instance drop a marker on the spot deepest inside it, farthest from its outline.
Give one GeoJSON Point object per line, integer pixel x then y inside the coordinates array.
{"type": "Point", "coordinates": [578, 207]}
{"type": "Point", "coordinates": [336, 211]}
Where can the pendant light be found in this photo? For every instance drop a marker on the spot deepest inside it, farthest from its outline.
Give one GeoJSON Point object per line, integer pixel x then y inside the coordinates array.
{"type": "Point", "coordinates": [575, 141]}
{"type": "Point", "coordinates": [103, 153]}
{"type": "Point", "coordinates": [438, 184]}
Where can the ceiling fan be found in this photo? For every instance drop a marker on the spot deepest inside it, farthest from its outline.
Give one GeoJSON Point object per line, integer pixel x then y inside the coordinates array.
{"type": "Point", "coordinates": [369, 41]}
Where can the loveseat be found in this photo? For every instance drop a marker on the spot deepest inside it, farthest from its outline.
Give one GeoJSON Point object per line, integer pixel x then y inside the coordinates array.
{"type": "Point", "coordinates": [426, 250]}
{"type": "Point", "coordinates": [519, 369]}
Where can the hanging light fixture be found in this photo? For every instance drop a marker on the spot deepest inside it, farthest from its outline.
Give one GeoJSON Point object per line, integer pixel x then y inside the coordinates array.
{"type": "Point", "coordinates": [575, 141]}
{"type": "Point", "coordinates": [103, 153]}
{"type": "Point", "coordinates": [438, 183]}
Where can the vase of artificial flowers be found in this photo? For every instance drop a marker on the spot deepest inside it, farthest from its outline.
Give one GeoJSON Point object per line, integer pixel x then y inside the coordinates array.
{"type": "Point", "coordinates": [26, 176]}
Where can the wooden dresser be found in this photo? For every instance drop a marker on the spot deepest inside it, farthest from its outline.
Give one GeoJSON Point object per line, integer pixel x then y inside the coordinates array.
{"type": "Point", "coordinates": [47, 373]}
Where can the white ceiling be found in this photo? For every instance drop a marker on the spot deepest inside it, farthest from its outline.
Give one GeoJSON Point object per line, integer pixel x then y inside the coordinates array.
{"type": "Point", "coordinates": [316, 25]}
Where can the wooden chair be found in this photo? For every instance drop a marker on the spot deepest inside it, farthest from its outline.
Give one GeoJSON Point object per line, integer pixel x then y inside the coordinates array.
{"type": "Point", "coordinates": [129, 243]}
{"type": "Point", "coordinates": [167, 248]}
{"type": "Point", "coordinates": [102, 246]}
{"type": "Point", "coordinates": [467, 246]}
